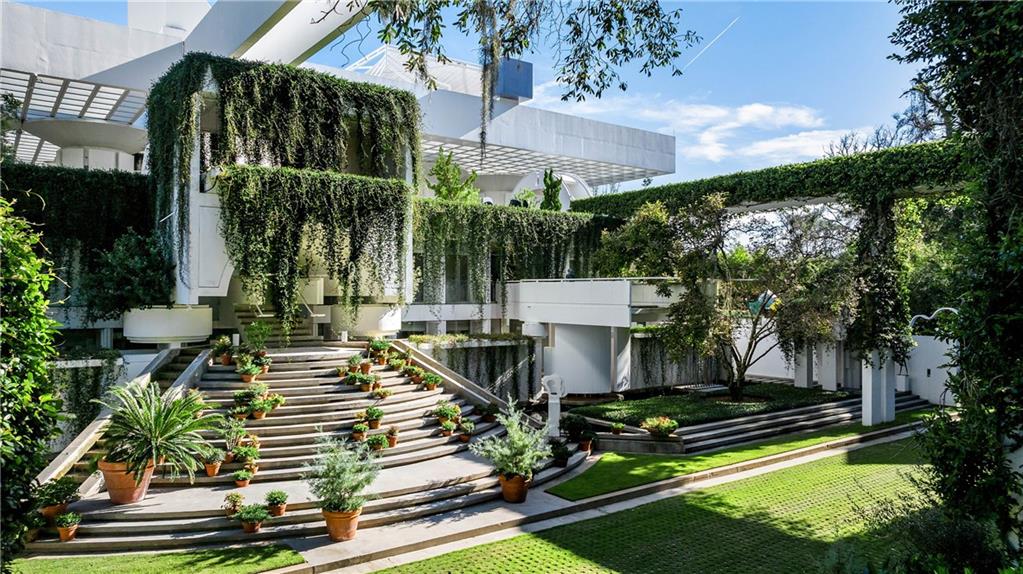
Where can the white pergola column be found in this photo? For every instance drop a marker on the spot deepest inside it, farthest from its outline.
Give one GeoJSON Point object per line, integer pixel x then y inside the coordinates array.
{"type": "Point", "coordinates": [878, 381]}
{"type": "Point", "coordinates": [803, 367]}
{"type": "Point", "coordinates": [832, 367]}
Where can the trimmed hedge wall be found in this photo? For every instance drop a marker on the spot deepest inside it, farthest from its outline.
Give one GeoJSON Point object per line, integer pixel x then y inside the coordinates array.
{"type": "Point", "coordinates": [856, 178]}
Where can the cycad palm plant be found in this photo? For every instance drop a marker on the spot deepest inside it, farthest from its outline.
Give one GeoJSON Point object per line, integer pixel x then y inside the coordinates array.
{"type": "Point", "coordinates": [147, 427]}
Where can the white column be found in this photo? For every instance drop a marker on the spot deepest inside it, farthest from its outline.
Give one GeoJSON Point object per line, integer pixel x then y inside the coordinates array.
{"type": "Point", "coordinates": [803, 367]}
{"type": "Point", "coordinates": [878, 390]}
{"type": "Point", "coordinates": [832, 369]}
{"type": "Point", "coordinates": [106, 338]}
{"type": "Point", "coordinates": [554, 386]}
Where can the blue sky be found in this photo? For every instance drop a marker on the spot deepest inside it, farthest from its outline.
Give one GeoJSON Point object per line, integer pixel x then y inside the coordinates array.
{"type": "Point", "coordinates": [776, 87]}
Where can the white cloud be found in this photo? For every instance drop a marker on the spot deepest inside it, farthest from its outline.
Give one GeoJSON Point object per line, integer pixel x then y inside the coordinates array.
{"type": "Point", "coordinates": [794, 147]}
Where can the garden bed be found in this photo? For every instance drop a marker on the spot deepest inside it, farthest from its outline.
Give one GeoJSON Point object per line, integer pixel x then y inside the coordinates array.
{"type": "Point", "coordinates": [695, 408]}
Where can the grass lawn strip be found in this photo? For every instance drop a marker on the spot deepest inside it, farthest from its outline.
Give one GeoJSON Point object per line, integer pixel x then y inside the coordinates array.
{"type": "Point", "coordinates": [695, 408]}
{"type": "Point", "coordinates": [782, 521]}
{"type": "Point", "coordinates": [615, 471]}
{"type": "Point", "coordinates": [248, 560]}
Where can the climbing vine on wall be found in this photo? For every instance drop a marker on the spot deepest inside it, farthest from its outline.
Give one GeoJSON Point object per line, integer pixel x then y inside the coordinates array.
{"type": "Point", "coordinates": [529, 243]}
{"type": "Point", "coordinates": [79, 386]}
{"type": "Point", "coordinates": [354, 224]}
{"type": "Point", "coordinates": [274, 114]}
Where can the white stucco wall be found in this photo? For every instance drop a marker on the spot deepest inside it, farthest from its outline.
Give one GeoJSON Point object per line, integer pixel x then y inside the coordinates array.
{"type": "Point", "coordinates": [927, 375]}
{"type": "Point", "coordinates": [582, 357]}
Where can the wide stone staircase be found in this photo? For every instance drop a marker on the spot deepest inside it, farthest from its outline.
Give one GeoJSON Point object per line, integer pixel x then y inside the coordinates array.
{"type": "Point", "coordinates": [719, 434]}
{"type": "Point", "coordinates": [303, 332]}
{"type": "Point", "coordinates": [424, 474]}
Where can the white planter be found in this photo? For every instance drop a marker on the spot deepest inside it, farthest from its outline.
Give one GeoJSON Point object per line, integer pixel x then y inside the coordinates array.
{"type": "Point", "coordinates": [373, 321]}
{"type": "Point", "coordinates": [181, 324]}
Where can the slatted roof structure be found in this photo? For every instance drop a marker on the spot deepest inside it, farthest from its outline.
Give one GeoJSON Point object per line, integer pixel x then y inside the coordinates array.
{"type": "Point", "coordinates": [51, 97]}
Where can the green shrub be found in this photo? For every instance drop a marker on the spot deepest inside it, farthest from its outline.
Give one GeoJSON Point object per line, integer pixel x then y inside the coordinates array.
{"type": "Point", "coordinates": [446, 410]}
{"type": "Point", "coordinates": [252, 513]}
{"type": "Point", "coordinates": [432, 379]}
{"type": "Point", "coordinates": [276, 497]}
{"type": "Point", "coordinates": [214, 456]}
{"type": "Point", "coordinates": [374, 413]}
{"type": "Point", "coordinates": [382, 393]}
{"type": "Point", "coordinates": [448, 426]}
{"type": "Point", "coordinates": [659, 426]}
{"type": "Point", "coordinates": [518, 451]}
{"type": "Point", "coordinates": [63, 490]}
{"type": "Point", "coordinates": [341, 473]}
{"type": "Point", "coordinates": [135, 274]}
{"type": "Point", "coordinates": [68, 519]}
{"type": "Point", "coordinates": [256, 334]}
{"type": "Point", "coordinates": [360, 428]}
{"type": "Point", "coordinates": [574, 426]}
{"type": "Point", "coordinates": [241, 475]}
{"type": "Point", "coordinates": [221, 346]}
{"type": "Point", "coordinates": [245, 453]}
{"type": "Point", "coordinates": [551, 191]}
{"type": "Point", "coordinates": [377, 441]}
{"type": "Point", "coordinates": [466, 427]}
{"type": "Point", "coordinates": [360, 379]}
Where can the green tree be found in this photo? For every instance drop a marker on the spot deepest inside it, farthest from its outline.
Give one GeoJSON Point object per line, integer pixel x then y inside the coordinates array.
{"type": "Point", "coordinates": [551, 191]}
{"type": "Point", "coordinates": [642, 247]}
{"type": "Point", "coordinates": [449, 183]}
{"type": "Point", "coordinates": [28, 399]}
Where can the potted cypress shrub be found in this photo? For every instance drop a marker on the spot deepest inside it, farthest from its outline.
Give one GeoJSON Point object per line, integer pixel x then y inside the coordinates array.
{"type": "Point", "coordinates": [515, 454]}
{"type": "Point", "coordinates": [339, 477]}
{"type": "Point", "coordinates": [252, 517]}
{"type": "Point", "coordinates": [53, 497]}
{"type": "Point", "coordinates": [222, 349]}
{"type": "Point", "coordinates": [212, 461]}
{"type": "Point", "coordinates": [145, 428]}
{"type": "Point", "coordinates": [373, 417]}
{"type": "Point", "coordinates": [277, 502]}
{"type": "Point", "coordinates": [67, 525]}
{"type": "Point", "coordinates": [392, 436]}
{"type": "Point", "coordinates": [242, 478]}
{"type": "Point", "coordinates": [377, 442]}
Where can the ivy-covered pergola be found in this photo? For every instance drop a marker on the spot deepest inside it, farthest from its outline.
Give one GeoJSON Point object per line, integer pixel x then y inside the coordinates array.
{"type": "Point", "coordinates": [872, 183]}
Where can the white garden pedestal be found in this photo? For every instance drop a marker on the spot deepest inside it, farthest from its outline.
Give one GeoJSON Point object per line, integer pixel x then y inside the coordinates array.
{"type": "Point", "coordinates": [373, 321]}
{"type": "Point", "coordinates": [160, 325]}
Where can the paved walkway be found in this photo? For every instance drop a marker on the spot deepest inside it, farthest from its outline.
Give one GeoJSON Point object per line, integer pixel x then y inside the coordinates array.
{"type": "Point", "coordinates": [431, 536]}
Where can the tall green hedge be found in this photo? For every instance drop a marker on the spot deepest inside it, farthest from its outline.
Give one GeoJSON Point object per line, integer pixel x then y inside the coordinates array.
{"type": "Point", "coordinates": [855, 178]}
{"type": "Point", "coordinates": [78, 211]}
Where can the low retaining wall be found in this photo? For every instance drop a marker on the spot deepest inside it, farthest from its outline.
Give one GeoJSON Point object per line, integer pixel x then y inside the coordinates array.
{"type": "Point", "coordinates": [639, 444]}
{"type": "Point", "coordinates": [502, 367]}
{"type": "Point", "coordinates": [651, 367]}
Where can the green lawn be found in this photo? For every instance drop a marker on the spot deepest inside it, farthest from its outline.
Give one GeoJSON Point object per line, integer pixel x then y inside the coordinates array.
{"type": "Point", "coordinates": [783, 521]}
{"type": "Point", "coordinates": [619, 471]}
{"type": "Point", "coordinates": [222, 560]}
{"type": "Point", "coordinates": [695, 408]}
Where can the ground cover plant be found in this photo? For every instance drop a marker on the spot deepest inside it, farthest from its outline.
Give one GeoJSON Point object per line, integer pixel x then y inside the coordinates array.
{"type": "Point", "coordinates": [692, 408]}
{"type": "Point", "coordinates": [783, 521]}
{"type": "Point", "coordinates": [242, 560]}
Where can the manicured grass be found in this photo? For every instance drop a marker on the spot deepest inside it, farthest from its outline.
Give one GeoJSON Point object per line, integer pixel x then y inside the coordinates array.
{"type": "Point", "coordinates": [221, 560]}
{"type": "Point", "coordinates": [695, 408]}
{"type": "Point", "coordinates": [783, 521]}
{"type": "Point", "coordinates": [619, 471]}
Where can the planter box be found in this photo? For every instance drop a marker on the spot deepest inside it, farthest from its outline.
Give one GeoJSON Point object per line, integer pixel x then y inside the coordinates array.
{"type": "Point", "coordinates": [373, 321]}
{"type": "Point", "coordinates": [180, 324]}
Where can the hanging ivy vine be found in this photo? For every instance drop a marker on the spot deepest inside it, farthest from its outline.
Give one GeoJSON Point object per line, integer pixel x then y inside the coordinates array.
{"type": "Point", "coordinates": [272, 114]}
{"type": "Point", "coordinates": [355, 224]}
{"type": "Point", "coordinates": [80, 386]}
{"type": "Point", "coordinates": [528, 243]}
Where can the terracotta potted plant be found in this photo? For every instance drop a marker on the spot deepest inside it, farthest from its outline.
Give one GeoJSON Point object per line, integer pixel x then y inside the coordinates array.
{"type": "Point", "coordinates": [373, 417]}
{"type": "Point", "coordinates": [376, 383]}
{"type": "Point", "coordinates": [392, 436]}
{"type": "Point", "coordinates": [263, 362]}
{"type": "Point", "coordinates": [276, 502]}
{"type": "Point", "coordinates": [145, 427]}
{"type": "Point", "coordinates": [377, 442]}
{"type": "Point", "coordinates": [248, 371]}
{"type": "Point", "coordinates": [53, 497]}
{"type": "Point", "coordinates": [240, 412]}
{"type": "Point", "coordinates": [67, 525]}
{"type": "Point", "coordinates": [660, 427]}
{"type": "Point", "coordinates": [365, 382]}
{"type": "Point", "coordinates": [242, 478]}
{"type": "Point", "coordinates": [415, 374]}
{"type": "Point", "coordinates": [396, 364]}
{"type": "Point", "coordinates": [489, 412]}
{"type": "Point", "coordinates": [515, 454]}
{"type": "Point", "coordinates": [353, 363]}
{"type": "Point", "coordinates": [222, 349]}
{"type": "Point", "coordinates": [574, 426]}
{"type": "Point", "coordinates": [560, 452]}
{"type": "Point", "coordinates": [465, 429]}
{"type": "Point", "coordinates": [342, 472]}
{"type": "Point", "coordinates": [34, 522]}
{"type": "Point", "coordinates": [245, 453]}
{"type": "Point", "coordinates": [586, 441]}
{"type": "Point", "coordinates": [276, 400]}
{"type": "Point", "coordinates": [445, 411]}
{"type": "Point", "coordinates": [359, 431]}
{"type": "Point", "coordinates": [212, 461]}
{"type": "Point", "coordinates": [365, 366]}
{"type": "Point", "coordinates": [252, 517]}
{"type": "Point", "coordinates": [616, 428]}
{"type": "Point", "coordinates": [233, 503]}
{"type": "Point", "coordinates": [260, 407]}
{"type": "Point", "coordinates": [447, 428]}
{"type": "Point", "coordinates": [232, 431]}
{"type": "Point", "coordinates": [379, 349]}
{"type": "Point", "coordinates": [381, 394]}
{"type": "Point", "coordinates": [431, 381]}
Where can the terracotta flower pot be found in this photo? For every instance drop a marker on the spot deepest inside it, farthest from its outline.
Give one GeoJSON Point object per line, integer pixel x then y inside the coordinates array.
{"type": "Point", "coordinates": [277, 509]}
{"type": "Point", "coordinates": [248, 378]}
{"type": "Point", "coordinates": [377, 447]}
{"type": "Point", "coordinates": [241, 417]}
{"type": "Point", "coordinates": [358, 436]}
{"type": "Point", "coordinates": [353, 369]}
{"type": "Point", "coordinates": [121, 485]}
{"type": "Point", "coordinates": [464, 437]}
{"type": "Point", "coordinates": [417, 379]}
{"type": "Point", "coordinates": [241, 483]}
{"type": "Point", "coordinates": [490, 418]}
{"type": "Point", "coordinates": [52, 511]}
{"type": "Point", "coordinates": [225, 360]}
{"type": "Point", "coordinates": [431, 387]}
{"type": "Point", "coordinates": [228, 458]}
{"type": "Point", "coordinates": [262, 353]}
{"type": "Point", "coordinates": [67, 533]}
{"type": "Point", "coordinates": [392, 441]}
{"type": "Point", "coordinates": [374, 423]}
{"type": "Point", "coordinates": [616, 431]}
{"type": "Point", "coordinates": [266, 369]}
{"type": "Point", "coordinates": [586, 445]}
{"type": "Point", "coordinates": [513, 488]}
{"type": "Point", "coordinates": [258, 414]}
{"type": "Point", "coordinates": [253, 468]}
{"type": "Point", "coordinates": [251, 527]}
{"type": "Point", "coordinates": [364, 367]}
{"type": "Point", "coordinates": [381, 360]}
{"type": "Point", "coordinates": [342, 526]}
{"type": "Point", "coordinates": [377, 385]}
{"type": "Point", "coordinates": [212, 468]}
{"type": "Point", "coordinates": [446, 433]}
{"type": "Point", "coordinates": [365, 387]}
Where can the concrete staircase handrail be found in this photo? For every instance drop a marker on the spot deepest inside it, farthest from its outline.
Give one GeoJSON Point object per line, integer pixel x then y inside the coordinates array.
{"type": "Point", "coordinates": [86, 439]}
{"type": "Point", "coordinates": [190, 376]}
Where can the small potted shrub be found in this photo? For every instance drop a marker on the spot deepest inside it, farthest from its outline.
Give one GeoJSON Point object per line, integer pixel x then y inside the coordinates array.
{"type": "Point", "coordinates": [222, 349]}
{"type": "Point", "coordinates": [396, 364]}
{"type": "Point", "coordinates": [560, 452]}
{"type": "Point", "coordinates": [256, 334]}
{"type": "Point", "coordinates": [232, 503]}
{"type": "Point", "coordinates": [337, 479]}
{"type": "Point", "coordinates": [415, 373]}
{"type": "Point", "coordinates": [263, 362]}
{"type": "Point", "coordinates": [277, 502]}
{"type": "Point", "coordinates": [365, 382]}
{"type": "Point", "coordinates": [212, 461]}
{"type": "Point", "coordinates": [490, 412]}
{"type": "Point", "coordinates": [447, 428]}
{"type": "Point", "coordinates": [586, 441]}
{"type": "Point", "coordinates": [376, 383]}
{"type": "Point", "coordinates": [659, 426]}
{"type": "Point", "coordinates": [574, 426]}
{"type": "Point", "coordinates": [392, 436]}
{"type": "Point", "coordinates": [67, 525]}
{"type": "Point", "coordinates": [373, 417]}
{"type": "Point", "coordinates": [53, 497]}
{"type": "Point", "coordinates": [232, 431]}
{"type": "Point", "coordinates": [359, 432]}
{"type": "Point", "coordinates": [382, 394]}
{"type": "Point", "coordinates": [515, 454]}
{"type": "Point", "coordinates": [364, 366]}
{"type": "Point", "coordinates": [260, 407]}
{"type": "Point", "coordinates": [377, 442]}
{"type": "Point", "coordinates": [445, 411]}
{"type": "Point", "coordinates": [252, 517]}
{"type": "Point", "coordinates": [34, 522]}
{"type": "Point", "coordinates": [252, 467]}
{"type": "Point", "coordinates": [616, 428]}
{"type": "Point", "coordinates": [242, 478]}
{"type": "Point", "coordinates": [379, 348]}
{"type": "Point", "coordinates": [465, 429]}
{"type": "Point", "coordinates": [245, 454]}
{"type": "Point", "coordinates": [353, 363]}
{"type": "Point", "coordinates": [249, 370]}
{"type": "Point", "coordinates": [240, 412]}
{"type": "Point", "coordinates": [431, 380]}
{"type": "Point", "coordinates": [276, 400]}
